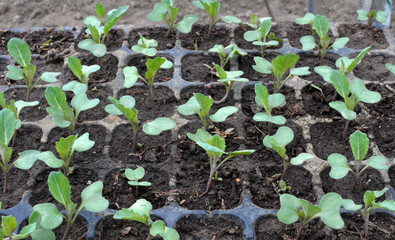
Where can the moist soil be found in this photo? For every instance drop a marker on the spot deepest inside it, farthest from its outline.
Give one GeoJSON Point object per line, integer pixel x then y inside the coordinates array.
{"type": "Point", "coordinates": [370, 179]}
{"type": "Point", "coordinates": [159, 34]}
{"type": "Point", "coordinates": [381, 227]}
{"type": "Point", "coordinates": [361, 36]}
{"type": "Point", "coordinates": [384, 137]}
{"type": "Point", "coordinates": [372, 68]}
{"type": "Point", "coordinates": [17, 182]}
{"type": "Point", "coordinates": [5, 36]}
{"type": "Point", "coordinates": [264, 185]}
{"type": "Point", "coordinates": [391, 173]}
{"type": "Point", "coordinates": [198, 72]}
{"type": "Point", "coordinates": [191, 227]}
{"type": "Point", "coordinates": [113, 40]}
{"type": "Point", "coordinates": [28, 137]}
{"type": "Point", "coordinates": [314, 60]}
{"type": "Point", "coordinates": [386, 106]}
{"type": "Point", "coordinates": [198, 38]}
{"type": "Point", "coordinates": [58, 40]}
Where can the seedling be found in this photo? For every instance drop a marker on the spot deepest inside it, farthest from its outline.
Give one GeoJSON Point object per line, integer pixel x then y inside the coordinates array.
{"type": "Point", "coordinates": [278, 142]}
{"type": "Point", "coordinates": [9, 225]}
{"type": "Point", "coordinates": [82, 72]}
{"type": "Point", "coordinates": [125, 106]}
{"type": "Point", "coordinates": [259, 36]}
{"type": "Point", "coordinates": [254, 23]}
{"type": "Point", "coordinates": [359, 143]}
{"type": "Point", "coordinates": [281, 187]}
{"type": "Point", "coordinates": [64, 116]}
{"type": "Point", "coordinates": [215, 148]}
{"type": "Point", "coordinates": [145, 46]}
{"type": "Point", "coordinates": [372, 16]}
{"type": "Point", "coordinates": [20, 52]}
{"type": "Point", "coordinates": [369, 198]}
{"type": "Point", "coordinates": [212, 8]}
{"type": "Point", "coordinates": [321, 27]}
{"type": "Point", "coordinates": [165, 11]}
{"type": "Point", "coordinates": [98, 29]}
{"type": "Point", "coordinates": [66, 147]}
{"type": "Point", "coordinates": [268, 102]}
{"type": "Point", "coordinates": [153, 65]}
{"type": "Point", "coordinates": [134, 177]}
{"type": "Point", "coordinates": [294, 209]}
{"type": "Point", "coordinates": [140, 212]}
{"type": "Point", "coordinates": [201, 105]}
{"type": "Point", "coordinates": [223, 56]}
{"type": "Point", "coordinates": [307, 19]}
{"type": "Point", "coordinates": [49, 217]}
{"type": "Point", "coordinates": [352, 93]}
{"type": "Point", "coordinates": [279, 66]}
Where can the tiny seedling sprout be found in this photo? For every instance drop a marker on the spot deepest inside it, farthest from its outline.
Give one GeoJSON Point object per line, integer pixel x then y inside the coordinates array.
{"type": "Point", "coordinates": [372, 16]}
{"type": "Point", "coordinates": [134, 177]}
{"type": "Point", "coordinates": [145, 46]}
{"type": "Point", "coordinates": [223, 55]}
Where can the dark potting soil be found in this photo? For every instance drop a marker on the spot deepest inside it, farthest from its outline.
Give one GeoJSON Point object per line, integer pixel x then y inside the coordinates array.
{"type": "Point", "coordinates": [198, 38]}
{"type": "Point", "coordinates": [386, 106]}
{"type": "Point", "coordinates": [370, 179]}
{"type": "Point", "coordinates": [107, 72]}
{"type": "Point", "coordinates": [153, 149]}
{"type": "Point", "coordinates": [381, 227]}
{"type": "Point", "coordinates": [268, 228]}
{"type": "Point", "coordinates": [17, 182]}
{"type": "Point", "coordinates": [28, 137]}
{"type": "Point", "coordinates": [58, 40]}
{"type": "Point", "coordinates": [29, 114]}
{"type": "Point", "coordinates": [163, 75]}
{"type": "Point", "coordinates": [312, 61]}
{"type": "Point", "coordinates": [3, 70]}
{"type": "Point", "coordinates": [5, 36]}
{"type": "Point", "coordinates": [391, 173]}
{"type": "Point", "coordinates": [122, 195]}
{"type": "Point", "coordinates": [246, 63]}
{"type": "Point", "coordinates": [327, 139]}
{"type": "Point", "coordinates": [382, 129]}
{"type": "Point", "coordinates": [79, 180]}
{"type": "Point", "coordinates": [191, 228]}
{"type": "Point", "coordinates": [361, 36]}
{"type": "Point", "coordinates": [264, 185]}
{"type": "Point", "coordinates": [113, 40]}
{"type": "Point", "coordinates": [163, 105]}
{"type": "Point", "coordinates": [372, 68]}
{"type": "Point", "coordinates": [156, 33]}
{"type": "Point", "coordinates": [242, 43]}
{"type": "Point", "coordinates": [291, 109]}
{"type": "Point", "coordinates": [193, 69]}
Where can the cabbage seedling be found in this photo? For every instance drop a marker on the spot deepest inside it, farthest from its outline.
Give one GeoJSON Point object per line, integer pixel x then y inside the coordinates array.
{"type": "Point", "coordinates": [215, 148]}
{"type": "Point", "coordinates": [134, 177]}
{"type": "Point", "coordinates": [212, 8]}
{"type": "Point", "coordinates": [223, 56]}
{"type": "Point", "coordinates": [82, 72]}
{"type": "Point", "coordinates": [125, 106]}
{"type": "Point", "coordinates": [145, 46]}
{"type": "Point", "coordinates": [98, 29]}
{"type": "Point", "coordinates": [294, 209]}
{"type": "Point", "coordinates": [201, 105]}
{"type": "Point", "coordinates": [49, 217]}
{"type": "Point", "coordinates": [9, 225]}
{"type": "Point", "coordinates": [153, 65]}
{"type": "Point", "coordinates": [372, 16]}
{"type": "Point", "coordinates": [20, 52]}
{"type": "Point", "coordinates": [165, 11]}
{"type": "Point", "coordinates": [64, 116]}
{"type": "Point", "coordinates": [352, 93]}
{"type": "Point", "coordinates": [278, 67]}
{"type": "Point", "coordinates": [278, 142]}
{"type": "Point", "coordinates": [359, 143]}
{"type": "Point", "coordinates": [369, 198]}
{"type": "Point", "coordinates": [268, 102]}
{"type": "Point", "coordinates": [259, 36]}
{"type": "Point", "coordinates": [66, 147]}
{"type": "Point", "coordinates": [321, 27]}
{"type": "Point", "coordinates": [140, 212]}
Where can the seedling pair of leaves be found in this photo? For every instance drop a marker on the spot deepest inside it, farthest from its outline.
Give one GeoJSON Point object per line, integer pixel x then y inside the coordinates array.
{"type": "Point", "coordinates": [223, 55]}
{"type": "Point", "coordinates": [66, 147]}
{"type": "Point", "coordinates": [125, 106]}
{"type": "Point", "coordinates": [278, 67]}
{"type": "Point", "coordinates": [259, 36]}
{"type": "Point", "coordinates": [63, 115]}
{"type": "Point", "coordinates": [212, 7]}
{"type": "Point", "coordinates": [134, 177]}
{"type": "Point", "coordinates": [145, 46]}
{"type": "Point", "coordinates": [372, 16]}
{"type": "Point", "coordinates": [82, 72]}
{"type": "Point", "coordinates": [278, 143]}
{"type": "Point", "coordinates": [359, 143]}
{"type": "Point", "coordinates": [294, 209]}
{"type": "Point", "coordinates": [20, 52]}
{"type": "Point", "coordinates": [47, 217]}
{"type": "Point", "coordinates": [369, 198]}
{"type": "Point", "coordinates": [320, 25]}
{"type": "Point", "coordinates": [98, 29]}
{"type": "Point", "coordinates": [165, 11]}
{"type": "Point", "coordinates": [9, 225]}
{"type": "Point", "coordinates": [200, 104]}
{"type": "Point", "coordinates": [140, 211]}
{"type": "Point", "coordinates": [215, 148]}
{"type": "Point", "coordinates": [153, 65]}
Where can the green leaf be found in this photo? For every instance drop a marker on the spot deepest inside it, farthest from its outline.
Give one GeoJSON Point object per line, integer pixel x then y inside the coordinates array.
{"type": "Point", "coordinates": [330, 205]}
{"type": "Point", "coordinates": [75, 87]}
{"type": "Point", "coordinates": [159, 125]}
{"type": "Point", "coordinates": [158, 13]}
{"type": "Point", "coordinates": [276, 100]}
{"type": "Point", "coordinates": [20, 51]}
{"type": "Point", "coordinates": [113, 17]}
{"type": "Point", "coordinates": [283, 63]}
{"type": "Point", "coordinates": [381, 16]}
{"type": "Point", "coordinates": [389, 66]}
{"type": "Point", "coordinates": [283, 137]}
{"type": "Point", "coordinates": [43, 234]}
{"type": "Point", "coordinates": [340, 83]}
{"type": "Point", "coordinates": [200, 136]}
{"type": "Point", "coordinates": [94, 33]}
{"type": "Point", "coordinates": [99, 50]}
{"type": "Point", "coordinates": [266, 25]}
{"type": "Point", "coordinates": [131, 76]}
{"type": "Point", "coordinates": [92, 20]}
{"type": "Point", "coordinates": [100, 10]}
{"type": "Point", "coordinates": [185, 25]}
{"type": "Point", "coordinates": [51, 218]}
{"type": "Point", "coordinates": [359, 143]}
{"type": "Point", "coordinates": [153, 65]}
{"type": "Point", "coordinates": [127, 101]}
{"type": "Point", "coordinates": [349, 205]}
{"type": "Point", "coordinates": [56, 98]}
{"type": "Point", "coordinates": [218, 142]}
{"type": "Point", "coordinates": [29, 71]}
{"type": "Point", "coordinates": [251, 36]}
{"type": "Point", "coordinates": [339, 166]}
{"type": "Point", "coordinates": [321, 25]}
{"type": "Point", "coordinates": [139, 211]}
{"type": "Point", "coordinates": [50, 76]}
{"type": "Point", "coordinates": [301, 158]}
{"type": "Point", "coordinates": [230, 19]}
{"type": "Point", "coordinates": [301, 71]}
{"type": "Point", "coordinates": [75, 65]}
{"type": "Point", "coordinates": [269, 43]}
{"type": "Point", "coordinates": [29, 157]}
{"type": "Point", "coordinates": [241, 153]}
{"type": "Point", "coordinates": [92, 198]}
{"type": "Point", "coordinates": [289, 211]}
{"type": "Point", "coordinates": [87, 70]}
{"type": "Point", "coordinates": [262, 96]}
{"type": "Point", "coordinates": [211, 149]}
{"type": "Point", "coordinates": [262, 65]}
{"type": "Point", "coordinates": [343, 110]}
{"type": "Point", "coordinates": [198, 4]}
{"type": "Point", "coordinates": [8, 225]}
{"type": "Point", "coordinates": [308, 43]}
{"type": "Point", "coordinates": [144, 50]}
{"type": "Point", "coordinates": [82, 143]}
{"type": "Point", "coordinates": [358, 88]}
{"type": "Point", "coordinates": [263, 117]}
{"type": "Point", "coordinates": [59, 187]}
{"type": "Point", "coordinates": [324, 72]}
{"type": "Point", "coordinates": [158, 228]}
{"type": "Point", "coordinates": [189, 108]}
{"type": "Point", "coordinates": [26, 231]}
{"type": "Point", "coordinates": [129, 113]}
{"type": "Point", "coordinates": [8, 124]}
{"type": "Point", "coordinates": [15, 73]}
{"type": "Point", "coordinates": [204, 102]}
{"type": "Point", "coordinates": [136, 174]}
{"type": "Point", "coordinates": [363, 15]}
{"type": "Point", "coordinates": [223, 113]}
{"type": "Point", "coordinates": [81, 102]}
{"type": "Point", "coordinates": [20, 104]}
{"type": "Point", "coordinates": [307, 19]}
{"type": "Point", "coordinates": [378, 162]}
{"type": "Point", "coordinates": [340, 43]}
